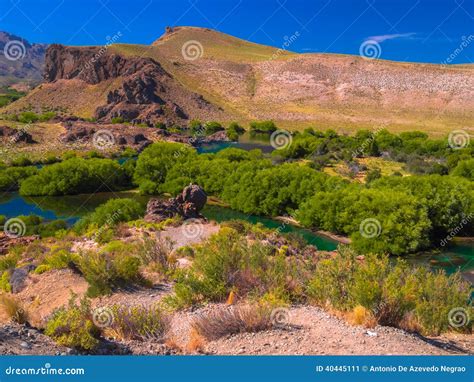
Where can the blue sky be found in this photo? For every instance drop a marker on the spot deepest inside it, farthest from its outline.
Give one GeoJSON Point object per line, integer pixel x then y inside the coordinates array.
{"type": "Point", "coordinates": [406, 30]}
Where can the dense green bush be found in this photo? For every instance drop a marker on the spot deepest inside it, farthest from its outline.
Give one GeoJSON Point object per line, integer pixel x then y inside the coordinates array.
{"type": "Point", "coordinates": [35, 225]}
{"type": "Point", "coordinates": [106, 272]}
{"type": "Point", "coordinates": [111, 213]}
{"type": "Point", "coordinates": [464, 168]}
{"type": "Point", "coordinates": [12, 177]}
{"type": "Point", "coordinates": [72, 326]}
{"type": "Point", "coordinates": [212, 127]}
{"type": "Point", "coordinates": [154, 163]}
{"type": "Point", "coordinates": [76, 176]}
{"type": "Point", "coordinates": [262, 127]}
{"type": "Point", "coordinates": [234, 130]}
{"type": "Point", "coordinates": [58, 258]}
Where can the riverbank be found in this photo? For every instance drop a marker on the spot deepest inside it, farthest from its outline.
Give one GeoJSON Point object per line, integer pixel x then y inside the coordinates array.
{"type": "Point", "coordinates": [338, 238]}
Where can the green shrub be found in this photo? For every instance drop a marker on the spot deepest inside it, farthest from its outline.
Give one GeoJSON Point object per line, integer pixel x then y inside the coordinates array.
{"type": "Point", "coordinates": [72, 326]}
{"type": "Point", "coordinates": [76, 176]}
{"type": "Point", "coordinates": [9, 260]}
{"type": "Point", "coordinates": [262, 127]}
{"type": "Point", "coordinates": [228, 262]}
{"type": "Point", "coordinates": [155, 161]}
{"type": "Point", "coordinates": [12, 177]}
{"type": "Point", "coordinates": [391, 292]}
{"type": "Point", "coordinates": [111, 213]}
{"type": "Point", "coordinates": [213, 127]}
{"type": "Point", "coordinates": [21, 161]}
{"type": "Point", "coordinates": [332, 280]}
{"type": "Point", "coordinates": [5, 282]}
{"type": "Point", "coordinates": [117, 120]}
{"type": "Point", "coordinates": [105, 272]}
{"type": "Point", "coordinates": [59, 258]}
{"type": "Point", "coordinates": [234, 130]}
{"type": "Point", "coordinates": [28, 117]}
{"type": "Point", "coordinates": [437, 296]}
{"type": "Point", "coordinates": [464, 168]}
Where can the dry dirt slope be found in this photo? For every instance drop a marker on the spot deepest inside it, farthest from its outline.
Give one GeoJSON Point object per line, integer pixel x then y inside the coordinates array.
{"type": "Point", "coordinates": [250, 81]}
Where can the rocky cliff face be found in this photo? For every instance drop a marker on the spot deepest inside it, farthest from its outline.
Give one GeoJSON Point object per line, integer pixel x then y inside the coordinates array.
{"type": "Point", "coordinates": [146, 94]}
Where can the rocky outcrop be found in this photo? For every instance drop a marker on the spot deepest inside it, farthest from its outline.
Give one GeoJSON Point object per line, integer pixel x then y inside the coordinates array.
{"type": "Point", "coordinates": [6, 241]}
{"type": "Point", "coordinates": [188, 205]}
{"type": "Point", "coordinates": [123, 135]}
{"type": "Point", "coordinates": [18, 277]}
{"type": "Point", "coordinates": [15, 135]}
{"type": "Point", "coordinates": [147, 93]}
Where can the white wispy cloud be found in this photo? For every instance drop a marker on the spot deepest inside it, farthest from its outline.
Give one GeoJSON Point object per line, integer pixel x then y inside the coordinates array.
{"type": "Point", "coordinates": [385, 37]}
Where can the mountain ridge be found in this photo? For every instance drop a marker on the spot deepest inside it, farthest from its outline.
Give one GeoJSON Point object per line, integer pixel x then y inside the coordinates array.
{"type": "Point", "coordinates": [241, 80]}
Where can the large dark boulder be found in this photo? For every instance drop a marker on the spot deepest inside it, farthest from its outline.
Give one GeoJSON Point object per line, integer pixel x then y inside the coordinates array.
{"type": "Point", "coordinates": [187, 204]}
{"type": "Point", "coordinates": [18, 277]}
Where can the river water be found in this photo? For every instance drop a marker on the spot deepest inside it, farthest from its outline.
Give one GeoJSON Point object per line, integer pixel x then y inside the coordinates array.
{"type": "Point", "coordinates": [71, 208]}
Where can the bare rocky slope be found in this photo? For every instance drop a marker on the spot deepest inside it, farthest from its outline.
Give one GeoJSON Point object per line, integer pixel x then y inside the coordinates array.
{"type": "Point", "coordinates": [204, 74]}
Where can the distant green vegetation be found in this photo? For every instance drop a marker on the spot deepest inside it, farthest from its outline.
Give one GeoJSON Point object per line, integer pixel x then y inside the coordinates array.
{"type": "Point", "coordinates": [262, 127]}
{"type": "Point", "coordinates": [76, 176]}
{"type": "Point", "coordinates": [31, 117]}
{"type": "Point", "coordinates": [234, 130]}
{"type": "Point", "coordinates": [7, 96]}
{"type": "Point", "coordinates": [420, 154]}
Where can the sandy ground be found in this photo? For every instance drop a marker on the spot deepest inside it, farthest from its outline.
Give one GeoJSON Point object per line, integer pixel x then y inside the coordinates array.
{"type": "Point", "coordinates": [313, 331]}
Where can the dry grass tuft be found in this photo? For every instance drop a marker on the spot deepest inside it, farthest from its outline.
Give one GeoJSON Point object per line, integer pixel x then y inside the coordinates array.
{"type": "Point", "coordinates": [233, 320]}
{"type": "Point", "coordinates": [13, 309]}
{"type": "Point", "coordinates": [196, 342]}
{"type": "Point", "coordinates": [361, 316]}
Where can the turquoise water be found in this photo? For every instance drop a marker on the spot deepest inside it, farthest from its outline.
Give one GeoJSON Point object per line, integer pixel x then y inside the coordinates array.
{"type": "Point", "coordinates": [246, 141]}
